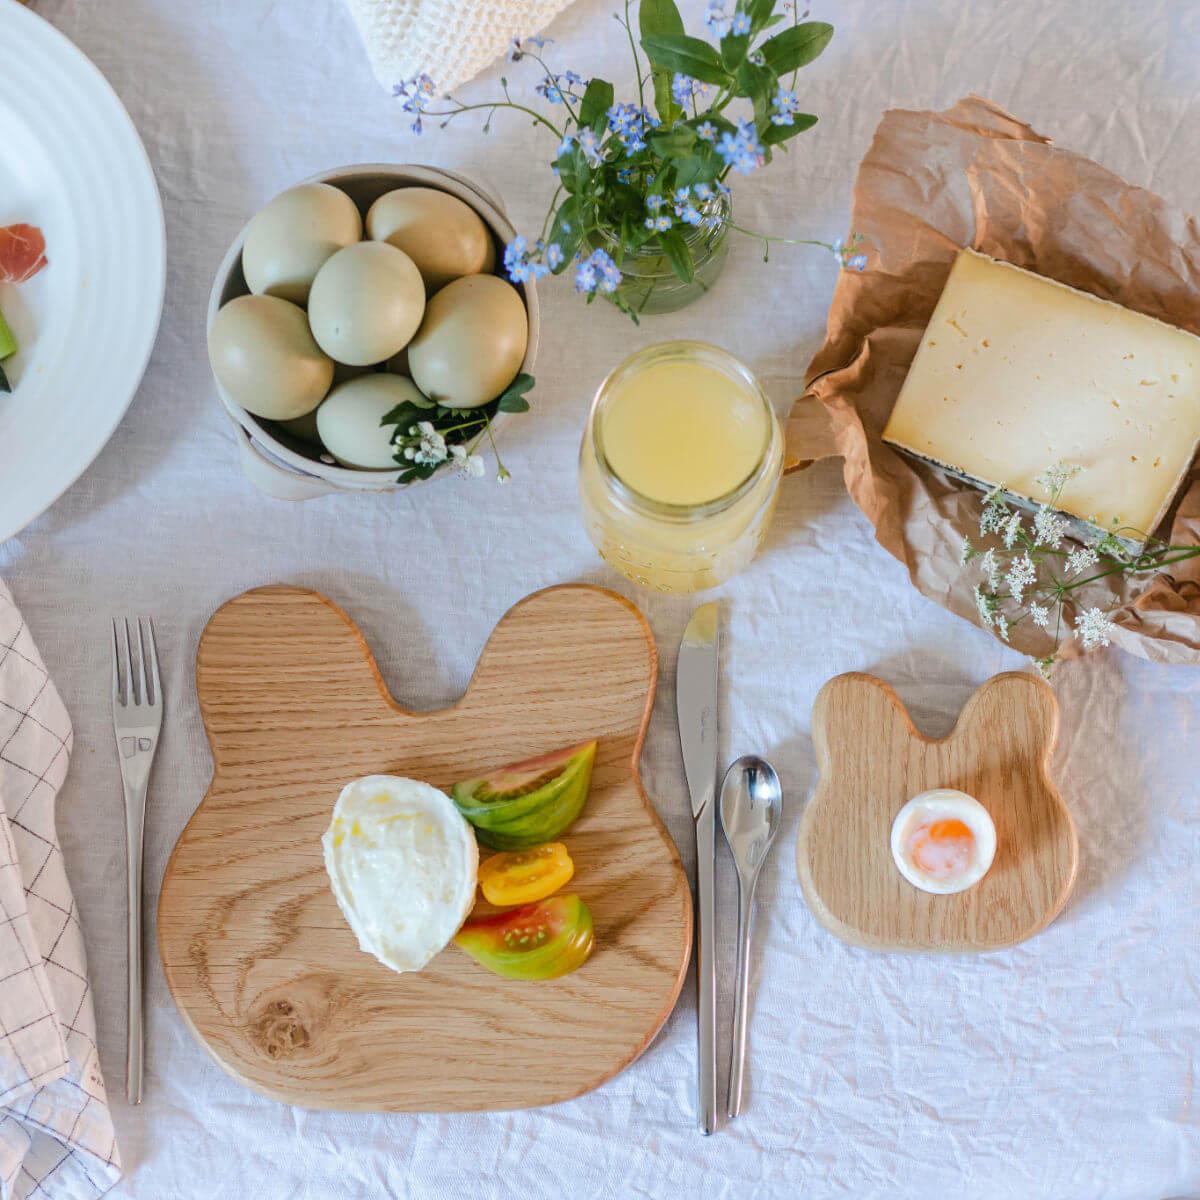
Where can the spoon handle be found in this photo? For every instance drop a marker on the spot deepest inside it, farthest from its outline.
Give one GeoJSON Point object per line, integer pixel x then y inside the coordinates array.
{"type": "Point", "coordinates": [737, 1061]}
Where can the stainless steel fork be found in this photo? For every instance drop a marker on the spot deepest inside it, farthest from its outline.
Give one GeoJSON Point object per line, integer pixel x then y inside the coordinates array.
{"type": "Point", "coordinates": [137, 722]}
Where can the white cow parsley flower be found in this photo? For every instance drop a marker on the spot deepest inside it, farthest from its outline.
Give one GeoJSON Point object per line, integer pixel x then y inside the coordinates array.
{"type": "Point", "coordinates": [986, 605]}
{"type": "Point", "coordinates": [1039, 614]}
{"type": "Point", "coordinates": [1049, 528]}
{"type": "Point", "coordinates": [1022, 573]}
{"type": "Point", "coordinates": [1093, 628]}
{"type": "Point", "coordinates": [1055, 478]}
{"type": "Point", "coordinates": [1080, 559]}
{"type": "Point", "coordinates": [989, 565]}
{"type": "Point", "coordinates": [1012, 531]}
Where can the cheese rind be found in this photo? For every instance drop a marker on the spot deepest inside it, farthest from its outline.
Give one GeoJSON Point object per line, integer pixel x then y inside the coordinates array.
{"type": "Point", "coordinates": [1016, 373]}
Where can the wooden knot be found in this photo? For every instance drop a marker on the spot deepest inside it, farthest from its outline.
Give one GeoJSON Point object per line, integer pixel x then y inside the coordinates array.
{"type": "Point", "coordinates": [279, 1029]}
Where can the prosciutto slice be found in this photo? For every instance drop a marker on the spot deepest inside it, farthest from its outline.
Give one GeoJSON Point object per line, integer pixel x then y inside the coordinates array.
{"type": "Point", "coordinates": [22, 252]}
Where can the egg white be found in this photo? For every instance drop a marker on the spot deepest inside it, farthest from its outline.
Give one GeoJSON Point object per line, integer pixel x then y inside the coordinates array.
{"type": "Point", "coordinates": [402, 862]}
{"type": "Point", "coordinates": [939, 805]}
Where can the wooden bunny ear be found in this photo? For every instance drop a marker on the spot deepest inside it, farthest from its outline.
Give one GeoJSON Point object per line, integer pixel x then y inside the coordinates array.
{"type": "Point", "coordinates": [853, 709]}
{"type": "Point", "coordinates": [254, 667]}
{"type": "Point", "coordinates": [546, 655]}
{"type": "Point", "coordinates": [1015, 708]}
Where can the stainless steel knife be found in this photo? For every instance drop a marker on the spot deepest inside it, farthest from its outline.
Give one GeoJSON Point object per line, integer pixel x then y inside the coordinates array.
{"type": "Point", "coordinates": [696, 705]}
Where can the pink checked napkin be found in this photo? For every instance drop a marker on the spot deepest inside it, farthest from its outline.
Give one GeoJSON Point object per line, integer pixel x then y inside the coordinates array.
{"type": "Point", "coordinates": [56, 1132]}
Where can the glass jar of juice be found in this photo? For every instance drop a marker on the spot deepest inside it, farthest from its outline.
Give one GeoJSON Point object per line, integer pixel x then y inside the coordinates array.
{"type": "Point", "coordinates": [680, 466]}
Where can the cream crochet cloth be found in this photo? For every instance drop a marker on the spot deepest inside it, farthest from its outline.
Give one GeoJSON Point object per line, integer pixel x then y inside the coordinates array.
{"type": "Point", "coordinates": [448, 40]}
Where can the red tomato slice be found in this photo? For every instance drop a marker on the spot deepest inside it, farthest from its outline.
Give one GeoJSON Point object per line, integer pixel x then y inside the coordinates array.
{"type": "Point", "coordinates": [536, 941]}
{"type": "Point", "coordinates": [22, 253]}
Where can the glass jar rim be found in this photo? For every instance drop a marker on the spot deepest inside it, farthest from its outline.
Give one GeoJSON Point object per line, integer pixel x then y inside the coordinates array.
{"type": "Point", "coordinates": [689, 351]}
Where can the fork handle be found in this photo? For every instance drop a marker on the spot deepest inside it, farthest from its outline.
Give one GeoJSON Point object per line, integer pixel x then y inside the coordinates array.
{"type": "Point", "coordinates": [135, 820]}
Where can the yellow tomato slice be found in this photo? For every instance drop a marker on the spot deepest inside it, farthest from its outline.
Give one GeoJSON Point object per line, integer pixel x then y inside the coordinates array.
{"type": "Point", "coordinates": [522, 876]}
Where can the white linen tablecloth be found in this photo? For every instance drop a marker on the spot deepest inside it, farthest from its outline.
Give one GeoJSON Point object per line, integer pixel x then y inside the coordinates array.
{"type": "Point", "coordinates": [1068, 1067]}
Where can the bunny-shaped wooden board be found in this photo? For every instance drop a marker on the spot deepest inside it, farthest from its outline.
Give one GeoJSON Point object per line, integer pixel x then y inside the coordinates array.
{"type": "Point", "coordinates": [256, 952]}
{"type": "Point", "coordinates": [872, 760]}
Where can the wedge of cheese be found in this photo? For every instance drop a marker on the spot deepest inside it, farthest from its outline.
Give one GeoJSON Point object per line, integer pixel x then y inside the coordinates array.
{"type": "Point", "coordinates": [1017, 373]}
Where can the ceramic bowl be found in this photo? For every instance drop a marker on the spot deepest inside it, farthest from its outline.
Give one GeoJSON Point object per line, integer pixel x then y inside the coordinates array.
{"type": "Point", "coordinates": [291, 469]}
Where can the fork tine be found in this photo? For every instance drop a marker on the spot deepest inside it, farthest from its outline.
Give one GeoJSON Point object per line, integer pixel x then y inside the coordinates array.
{"type": "Point", "coordinates": [118, 698]}
{"type": "Point", "coordinates": [131, 684]}
{"type": "Point", "coordinates": [150, 650]}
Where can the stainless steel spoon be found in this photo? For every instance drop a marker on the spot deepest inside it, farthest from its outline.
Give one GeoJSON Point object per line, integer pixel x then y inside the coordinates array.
{"type": "Point", "coordinates": [751, 805]}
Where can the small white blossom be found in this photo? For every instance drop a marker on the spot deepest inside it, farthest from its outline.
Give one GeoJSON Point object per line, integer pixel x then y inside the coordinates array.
{"type": "Point", "coordinates": [1080, 559]}
{"type": "Point", "coordinates": [1055, 478]}
{"type": "Point", "coordinates": [1049, 528]}
{"type": "Point", "coordinates": [1022, 572]}
{"type": "Point", "coordinates": [1093, 628]}
{"type": "Point", "coordinates": [1044, 666]}
{"type": "Point", "coordinates": [1012, 531]}
{"type": "Point", "coordinates": [432, 449]}
{"type": "Point", "coordinates": [1039, 614]}
{"type": "Point", "coordinates": [1002, 627]}
{"type": "Point", "coordinates": [465, 463]}
{"type": "Point", "coordinates": [989, 566]}
{"type": "Point", "coordinates": [966, 553]}
{"type": "Point", "coordinates": [993, 515]}
{"type": "Point", "coordinates": [986, 605]}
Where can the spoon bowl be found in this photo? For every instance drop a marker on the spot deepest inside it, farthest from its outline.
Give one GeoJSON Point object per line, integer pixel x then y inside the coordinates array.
{"type": "Point", "coordinates": [751, 809]}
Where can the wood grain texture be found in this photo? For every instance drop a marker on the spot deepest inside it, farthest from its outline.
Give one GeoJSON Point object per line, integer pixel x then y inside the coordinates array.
{"type": "Point", "coordinates": [872, 761]}
{"type": "Point", "coordinates": [256, 952]}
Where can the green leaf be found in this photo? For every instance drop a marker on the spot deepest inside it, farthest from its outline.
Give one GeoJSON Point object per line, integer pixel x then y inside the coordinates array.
{"type": "Point", "coordinates": [702, 167]}
{"type": "Point", "coordinates": [688, 55]}
{"type": "Point", "coordinates": [567, 231]}
{"type": "Point", "coordinates": [675, 251]}
{"type": "Point", "coordinates": [668, 111]}
{"type": "Point", "coordinates": [761, 12]}
{"type": "Point", "coordinates": [513, 400]}
{"type": "Point", "coordinates": [781, 133]}
{"type": "Point", "coordinates": [597, 100]}
{"type": "Point", "coordinates": [659, 16]}
{"type": "Point", "coordinates": [573, 171]}
{"type": "Point", "coordinates": [733, 50]}
{"type": "Point", "coordinates": [674, 142]}
{"type": "Point", "coordinates": [796, 46]}
{"type": "Point", "coordinates": [756, 83]}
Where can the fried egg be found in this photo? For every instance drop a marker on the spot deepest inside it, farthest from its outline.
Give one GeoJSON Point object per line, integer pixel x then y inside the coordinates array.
{"type": "Point", "coordinates": [943, 841]}
{"type": "Point", "coordinates": [402, 862]}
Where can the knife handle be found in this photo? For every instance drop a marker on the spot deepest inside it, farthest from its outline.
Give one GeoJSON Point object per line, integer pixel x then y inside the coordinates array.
{"type": "Point", "coordinates": [706, 973]}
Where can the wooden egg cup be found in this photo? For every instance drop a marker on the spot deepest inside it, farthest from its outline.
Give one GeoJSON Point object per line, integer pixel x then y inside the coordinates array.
{"type": "Point", "coordinates": [872, 760]}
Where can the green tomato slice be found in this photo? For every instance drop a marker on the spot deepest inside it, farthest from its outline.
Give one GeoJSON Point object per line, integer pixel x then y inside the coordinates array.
{"type": "Point", "coordinates": [536, 941]}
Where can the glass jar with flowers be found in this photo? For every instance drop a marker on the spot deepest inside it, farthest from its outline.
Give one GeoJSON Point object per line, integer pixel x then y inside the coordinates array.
{"type": "Point", "coordinates": [643, 204]}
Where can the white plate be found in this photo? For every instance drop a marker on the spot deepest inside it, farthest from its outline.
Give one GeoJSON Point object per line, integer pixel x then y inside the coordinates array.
{"type": "Point", "coordinates": [72, 163]}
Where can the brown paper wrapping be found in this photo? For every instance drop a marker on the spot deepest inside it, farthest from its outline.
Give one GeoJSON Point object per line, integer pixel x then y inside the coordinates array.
{"type": "Point", "coordinates": [976, 176]}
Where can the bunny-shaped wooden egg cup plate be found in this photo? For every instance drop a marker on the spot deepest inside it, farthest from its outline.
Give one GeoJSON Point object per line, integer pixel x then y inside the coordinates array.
{"type": "Point", "coordinates": [258, 957]}
{"type": "Point", "coordinates": [872, 760]}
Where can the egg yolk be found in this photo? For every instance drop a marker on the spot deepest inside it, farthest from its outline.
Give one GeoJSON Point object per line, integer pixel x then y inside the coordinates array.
{"type": "Point", "coordinates": [942, 849]}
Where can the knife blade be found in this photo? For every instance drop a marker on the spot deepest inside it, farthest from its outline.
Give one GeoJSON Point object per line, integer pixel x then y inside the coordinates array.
{"type": "Point", "coordinates": [696, 707]}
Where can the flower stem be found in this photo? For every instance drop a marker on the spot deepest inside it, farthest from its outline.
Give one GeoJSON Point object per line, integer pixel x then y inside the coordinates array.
{"type": "Point", "coordinates": [493, 105]}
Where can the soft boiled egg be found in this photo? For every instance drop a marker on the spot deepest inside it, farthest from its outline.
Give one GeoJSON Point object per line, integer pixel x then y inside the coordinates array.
{"type": "Point", "coordinates": [943, 841]}
{"type": "Point", "coordinates": [402, 862]}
